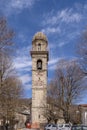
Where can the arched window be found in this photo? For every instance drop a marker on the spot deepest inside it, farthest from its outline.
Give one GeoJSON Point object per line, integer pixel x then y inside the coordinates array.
{"type": "Point", "coordinates": [39, 47]}
{"type": "Point", "coordinates": [39, 64]}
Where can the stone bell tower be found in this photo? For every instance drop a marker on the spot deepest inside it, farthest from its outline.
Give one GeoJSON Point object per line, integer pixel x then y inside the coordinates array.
{"type": "Point", "coordinates": [40, 57]}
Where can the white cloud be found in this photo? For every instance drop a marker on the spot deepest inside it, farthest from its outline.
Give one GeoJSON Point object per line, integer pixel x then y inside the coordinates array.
{"type": "Point", "coordinates": [23, 52]}
{"type": "Point", "coordinates": [22, 62]}
{"type": "Point", "coordinates": [20, 4]}
{"type": "Point", "coordinates": [57, 44]}
{"type": "Point", "coordinates": [23, 66]}
{"type": "Point", "coordinates": [50, 18]}
{"type": "Point", "coordinates": [66, 15]}
{"type": "Point", "coordinates": [25, 81]}
{"type": "Point", "coordinates": [61, 44]}
{"type": "Point", "coordinates": [50, 30]}
{"type": "Point", "coordinates": [25, 78]}
{"type": "Point", "coordinates": [53, 45]}
{"type": "Point", "coordinates": [61, 61]}
{"type": "Point", "coordinates": [15, 6]}
{"type": "Point", "coordinates": [52, 63]}
{"type": "Point", "coordinates": [22, 56]}
{"type": "Point", "coordinates": [53, 67]}
{"type": "Point", "coordinates": [22, 37]}
{"type": "Point", "coordinates": [61, 23]}
{"type": "Point", "coordinates": [27, 86]}
{"type": "Point", "coordinates": [69, 16]}
{"type": "Point", "coordinates": [85, 6]}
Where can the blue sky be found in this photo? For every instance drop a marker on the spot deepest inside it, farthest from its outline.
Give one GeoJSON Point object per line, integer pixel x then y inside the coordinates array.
{"type": "Point", "coordinates": [63, 22]}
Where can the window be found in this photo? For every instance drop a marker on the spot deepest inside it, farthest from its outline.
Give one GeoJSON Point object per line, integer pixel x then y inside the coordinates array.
{"type": "Point", "coordinates": [39, 47]}
{"type": "Point", "coordinates": [39, 64]}
{"type": "Point", "coordinates": [39, 116]}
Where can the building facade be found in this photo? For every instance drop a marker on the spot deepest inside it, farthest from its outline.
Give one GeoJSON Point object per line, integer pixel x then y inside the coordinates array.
{"type": "Point", "coordinates": [83, 108]}
{"type": "Point", "coordinates": [39, 54]}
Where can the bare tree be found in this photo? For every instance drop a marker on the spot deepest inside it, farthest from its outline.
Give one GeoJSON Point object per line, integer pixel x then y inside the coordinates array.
{"type": "Point", "coordinates": [51, 112]}
{"type": "Point", "coordinates": [6, 35]}
{"type": "Point", "coordinates": [82, 51]}
{"type": "Point", "coordinates": [10, 85]}
{"type": "Point", "coordinates": [75, 114]}
{"type": "Point", "coordinates": [10, 94]}
{"type": "Point", "coordinates": [10, 89]}
{"type": "Point", "coordinates": [66, 87]}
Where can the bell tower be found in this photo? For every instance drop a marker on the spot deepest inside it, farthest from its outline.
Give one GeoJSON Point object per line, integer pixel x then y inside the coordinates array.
{"type": "Point", "coordinates": [40, 57]}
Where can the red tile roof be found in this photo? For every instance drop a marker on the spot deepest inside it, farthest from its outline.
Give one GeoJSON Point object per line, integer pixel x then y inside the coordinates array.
{"type": "Point", "coordinates": [83, 105]}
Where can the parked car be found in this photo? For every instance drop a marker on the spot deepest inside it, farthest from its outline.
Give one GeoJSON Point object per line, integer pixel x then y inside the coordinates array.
{"type": "Point", "coordinates": [51, 127]}
{"type": "Point", "coordinates": [79, 127]}
{"type": "Point", "coordinates": [59, 126]}
{"type": "Point", "coordinates": [64, 127]}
